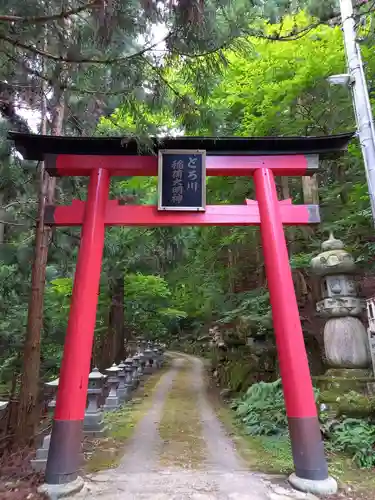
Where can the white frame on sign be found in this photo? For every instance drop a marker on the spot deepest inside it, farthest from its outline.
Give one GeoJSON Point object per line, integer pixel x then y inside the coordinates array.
{"type": "Point", "coordinates": [163, 152]}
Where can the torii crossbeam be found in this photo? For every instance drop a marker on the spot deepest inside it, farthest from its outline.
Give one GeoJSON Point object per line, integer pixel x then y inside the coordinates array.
{"type": "Point", "coordinates": [262, 158]}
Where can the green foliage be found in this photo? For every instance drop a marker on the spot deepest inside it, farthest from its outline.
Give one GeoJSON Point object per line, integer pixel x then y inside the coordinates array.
{"type": "Point", "coordinates": [301, 260]}
{"type": "Point", "coordinates": [262, 410]}
{"type": "Point", "coordinates": [356, 438]}
{"type": "Point", "coordinates": [147, 301]}
{"type": "Point", "coordinates": [62, 286]}
{"type": "Point", "coordinates": [252, 311]}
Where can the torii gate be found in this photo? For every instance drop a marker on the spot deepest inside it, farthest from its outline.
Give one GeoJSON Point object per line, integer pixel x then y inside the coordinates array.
{"type": "Point", "coordinates": [263, 158]}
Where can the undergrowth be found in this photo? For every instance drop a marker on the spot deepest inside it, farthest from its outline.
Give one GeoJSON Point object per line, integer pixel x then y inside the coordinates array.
{"type": "Point", "coordinates": [261, 412]}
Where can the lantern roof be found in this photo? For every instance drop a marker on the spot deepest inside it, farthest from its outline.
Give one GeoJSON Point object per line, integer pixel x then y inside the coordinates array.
{"type": "Point", "coordinates": [96, 375]}
{"type": "Point", "coordinates": [53, 383]}
{"type": "Point", "coordinates": [114, 368]}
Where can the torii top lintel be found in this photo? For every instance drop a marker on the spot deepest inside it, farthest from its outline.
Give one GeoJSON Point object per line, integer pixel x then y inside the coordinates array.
{"type": "Point", "coordinates": [226, 156]}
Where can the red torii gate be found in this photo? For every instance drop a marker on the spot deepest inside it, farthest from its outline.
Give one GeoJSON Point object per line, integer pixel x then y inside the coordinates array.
{"type": "Point", "coordinates": [263, 158]}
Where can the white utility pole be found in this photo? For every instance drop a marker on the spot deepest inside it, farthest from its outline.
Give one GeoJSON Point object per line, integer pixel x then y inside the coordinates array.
{"type": "Point", "coordinates": [361, 101]}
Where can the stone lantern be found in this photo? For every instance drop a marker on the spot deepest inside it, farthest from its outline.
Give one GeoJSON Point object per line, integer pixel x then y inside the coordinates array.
{"type": "Point", "coordinates": [141, 364]}
{"type": "Point", "coordinates": [137, 364]}
{"type": "Point", "coordinates": [121, 391]}
{"type": "Point", "coordinates": [112, 401]}
{"type": "Point", "coordinates": [134, 372]}
{"type": "Point", "coordinates": [156, 357]}
{"type": "Point", "coordinates": [40, 461]}
{"type": "Point", "coordinates": [93, 424]}
{"type": "Point", "coordinates": [143, 345]}
{"type": "Point", "coordinates": [128, 378]}
{"type": "Point", "coordinates": [162, 348]}
{"type": "Point", "coordinates": [148, 358]}
{"type": "Point", "coordinates": [345, 337]}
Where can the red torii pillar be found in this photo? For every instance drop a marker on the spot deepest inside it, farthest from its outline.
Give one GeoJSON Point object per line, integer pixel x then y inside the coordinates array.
{"type": "Point", "coordinates": [97, 212]}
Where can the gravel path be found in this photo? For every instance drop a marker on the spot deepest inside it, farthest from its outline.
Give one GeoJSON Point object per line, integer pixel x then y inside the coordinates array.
{"type": "Point", "coordinates": [224, 476]}
{"type": "Point", "coordinates": [145, 443]}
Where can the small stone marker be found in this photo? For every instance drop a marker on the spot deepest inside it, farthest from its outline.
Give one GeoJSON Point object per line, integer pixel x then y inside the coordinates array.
{"type": "Point", "coordinates": [128, 378]}
{"type": "Point", "coordinates": [137, 363]}
{"type": "Point", "coordinates": [93, 424]}
{"type": "Point", "coordinates": [149, 361]}
{"type": "Point", "coordinates": [121, 391]}
{"type": "Point", "coordinates": [40, 460]}
{"type": "Point", "coordinates": [112, 401]}
{"type": "Point", "coordinates": [156, 356]}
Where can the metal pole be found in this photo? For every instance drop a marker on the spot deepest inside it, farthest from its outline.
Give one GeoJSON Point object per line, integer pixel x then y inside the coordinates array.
{"type": "Point", "coordinates": [361, 101]}
{"type": "Point", "coordinates": [65, 448]}
{"type": "Point", "coordinates": [311, 471]}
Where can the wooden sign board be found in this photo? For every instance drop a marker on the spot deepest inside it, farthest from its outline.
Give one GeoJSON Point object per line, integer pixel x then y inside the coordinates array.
{"type": "Point", "coordinates": [182, 180]}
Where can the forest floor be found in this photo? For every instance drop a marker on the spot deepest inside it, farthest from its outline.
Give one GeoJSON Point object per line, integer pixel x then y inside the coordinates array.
{"type": "Point", "coordinates": [179, 450]}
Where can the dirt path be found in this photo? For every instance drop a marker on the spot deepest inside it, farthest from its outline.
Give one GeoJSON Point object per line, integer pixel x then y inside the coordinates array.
{"type": "Point", "coordinates": [180, 451]}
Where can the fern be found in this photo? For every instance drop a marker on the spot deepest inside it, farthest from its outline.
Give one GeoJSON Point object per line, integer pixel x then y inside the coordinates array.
{"type": "Point", "coordinates": [262, 411]}
{"type": "Point", "coordinates": [356, 438]}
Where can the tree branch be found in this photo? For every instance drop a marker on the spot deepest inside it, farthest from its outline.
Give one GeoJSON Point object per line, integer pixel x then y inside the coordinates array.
{"type": "Point", "coordinates": [79, 60]}
{"type": "Point", "coordinates": [8, 111]}
{"type": "Point", "coordinates": [11, 223]}
{"type": "Point", "coordinates": [53, 17]}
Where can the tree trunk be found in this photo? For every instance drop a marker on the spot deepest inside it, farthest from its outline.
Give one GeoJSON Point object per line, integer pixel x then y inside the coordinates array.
{"type": "Point", "coordinates": [2, 218]}
{"type": "Point", "coordinates": [28, 409]}
{"type": "Point", "coordinates": [310, 190]}
{"type": "Point", "coordinates": [113, 341]}
{"type": "Point", "coordinates": [117, 320]}
{"type": "Point", "coordinates": [289, 231]}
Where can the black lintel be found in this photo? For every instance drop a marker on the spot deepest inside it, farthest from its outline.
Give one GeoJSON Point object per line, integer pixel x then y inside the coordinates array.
{"type": "Point", "coordinates": [34, 146]}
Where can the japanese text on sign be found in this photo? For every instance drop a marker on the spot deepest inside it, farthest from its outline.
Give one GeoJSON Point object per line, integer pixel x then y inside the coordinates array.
{"type": "Point", "coordinates": [178, 186]}
{"type": "Point", "coordinates": [182, 180]}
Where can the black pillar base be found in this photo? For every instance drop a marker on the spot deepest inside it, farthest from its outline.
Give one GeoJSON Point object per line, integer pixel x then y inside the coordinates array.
{"type": "Point", "coordinates": [307, 448]}
{"type": "Point", "coordinates": [64, 456]}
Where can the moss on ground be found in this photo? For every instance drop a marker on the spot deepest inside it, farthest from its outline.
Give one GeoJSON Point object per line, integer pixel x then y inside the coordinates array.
{"type": "Point", "coordinates": [108, 451]}
{"type": "Point", "coordinates": [351, 404]}
{"type": "Point", "coordinates": [180, 427]}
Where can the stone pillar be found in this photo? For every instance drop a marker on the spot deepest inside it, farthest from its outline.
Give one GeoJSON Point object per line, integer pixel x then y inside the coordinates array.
{"type": "Point", "coordinates": [149, 361]}
{"type": "Point", "coordinates": [345, 337]}
{"type": "Point", "coordinates": [162, 351]}
{"type": "Point", "coordinates": [156, 357]}
{"type": "Point", "coordinates": [133, 373]}
{"type": "Point", "coordinates": [136, 363]}
{"type": "Point", "coordinates": [112, 401]}
{"type": "Point", "coordinates": [121, 391]}
{"type": "Point", "coordinates": [40, 460]}
{"type": "Point", "coordinates": [93, 423]}
{"type": "Point", "coordinates": [128, 378]}
{"type": "Point", "coordinates": [141, 364]}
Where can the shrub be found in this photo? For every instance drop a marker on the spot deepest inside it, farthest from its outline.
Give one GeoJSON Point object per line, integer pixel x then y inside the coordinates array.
{"type": "Point", "coordinates": [356, 438]}
{"type": "Point", "coordinates": [262, 409]}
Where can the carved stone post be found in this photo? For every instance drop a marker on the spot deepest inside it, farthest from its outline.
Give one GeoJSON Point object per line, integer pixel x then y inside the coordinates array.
{"type": "Point", "coordinates": [93, 424]}
{"type": "Point", "coordinates": [121, 391]}
{"type": "Point", "coordinates": [134, 368]}
{"type": "Point", "coordinates": [40, 460]}
{"type": "Point", "coordinates": [136, 363]}
{"type": "Point", "coordinates": [149, 361]}
{"type": "Point", "coordinates": [128, 378]}
{"type": "Point", "coordinates": [141, 364]}
{"type": "Point", "coordinates": [345, 337]}
{"type": "Point", "coordinates": [112, 401]}
{"type": "Point", "coordinates": [156, 357]}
